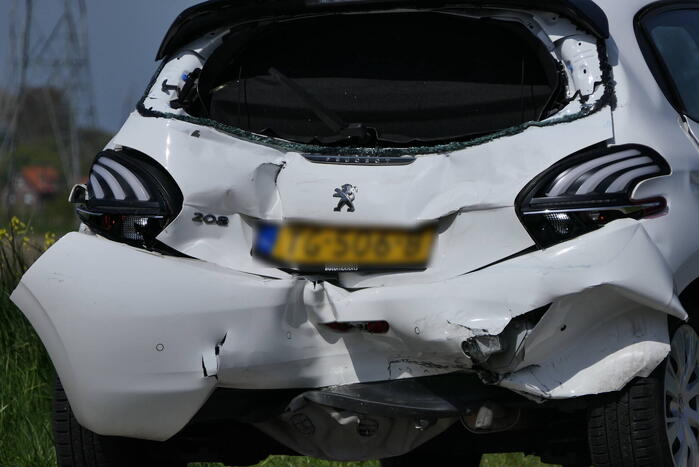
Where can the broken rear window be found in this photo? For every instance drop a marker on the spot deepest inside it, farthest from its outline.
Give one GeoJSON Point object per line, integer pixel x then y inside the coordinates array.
{"type": "Point", "coordinates": [390, 79]}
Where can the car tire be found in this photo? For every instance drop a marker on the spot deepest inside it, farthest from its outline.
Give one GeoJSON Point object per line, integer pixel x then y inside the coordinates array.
{"type": "Point", "coordinates": [77, 446]}
{"type": "Point", "coordinates": [652, 421]}
{"type": "Point", "coordinates": [422, 460]}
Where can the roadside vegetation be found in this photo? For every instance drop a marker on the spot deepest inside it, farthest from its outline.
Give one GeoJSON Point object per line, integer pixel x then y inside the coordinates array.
{"type": "Point", "coordinates": [25, 370]}
{"type": "Point", "coordinates": [26, 373]}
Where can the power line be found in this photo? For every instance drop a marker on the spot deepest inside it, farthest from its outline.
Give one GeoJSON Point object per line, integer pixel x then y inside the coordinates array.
{"type": "Point", "coordinates": [60, 61]}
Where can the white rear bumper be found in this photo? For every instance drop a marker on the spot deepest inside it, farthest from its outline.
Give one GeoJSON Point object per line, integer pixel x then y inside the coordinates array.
{"type": "Point", "coordinates": [141, 340]}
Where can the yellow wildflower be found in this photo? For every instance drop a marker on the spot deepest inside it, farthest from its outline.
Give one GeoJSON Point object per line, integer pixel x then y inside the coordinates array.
{"type": "Point", "coordinates": [17, 225]}
{"type": "Point", "coordinates": [49, 239]}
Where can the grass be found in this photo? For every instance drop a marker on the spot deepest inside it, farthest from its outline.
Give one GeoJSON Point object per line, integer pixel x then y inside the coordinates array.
{"type": "Point", "coordinates": [489, 460]}
{"type": "Point", "coordinates": [25, 372]}
{"type": "Point", "coordinates": [26, 375]}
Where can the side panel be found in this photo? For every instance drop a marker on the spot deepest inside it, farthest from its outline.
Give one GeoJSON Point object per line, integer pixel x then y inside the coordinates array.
{"type": "Point", "coordinates": [643, 115]}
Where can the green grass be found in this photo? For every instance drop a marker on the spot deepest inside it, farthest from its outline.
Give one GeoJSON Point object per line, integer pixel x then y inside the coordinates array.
{"type": "Point", "coordinates": [26, 375]}
{"type": "Point", "coordinates": [490, 460]}
{"type": "Point", "coordinates": [25, 372]}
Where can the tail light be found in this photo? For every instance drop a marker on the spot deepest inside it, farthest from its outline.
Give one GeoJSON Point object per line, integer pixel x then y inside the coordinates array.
{"type": "Point", "coordinates": [587, 190]}
{"type": "Point", "coordinates": [130, 198]}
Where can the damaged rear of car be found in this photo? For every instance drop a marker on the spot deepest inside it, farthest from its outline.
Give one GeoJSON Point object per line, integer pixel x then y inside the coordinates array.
{"type": "Point", "coordinates": [386, 230]}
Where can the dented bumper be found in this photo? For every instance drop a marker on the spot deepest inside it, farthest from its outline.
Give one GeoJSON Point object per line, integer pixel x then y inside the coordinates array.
{"type": "Point", "coordinates": [140, 340]}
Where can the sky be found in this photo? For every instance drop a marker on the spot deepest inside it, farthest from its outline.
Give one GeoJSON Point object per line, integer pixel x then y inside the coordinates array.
{"type": "Point", "coordinates": [124, 38]}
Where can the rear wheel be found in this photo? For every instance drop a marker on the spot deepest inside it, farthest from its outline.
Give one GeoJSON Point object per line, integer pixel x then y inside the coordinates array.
{"type": "Point", "coordinates": [653, 421]}
{"type": "Point", "coordinates": [681, 390]}
{"type": "Point", "coordinates": [79, 447]}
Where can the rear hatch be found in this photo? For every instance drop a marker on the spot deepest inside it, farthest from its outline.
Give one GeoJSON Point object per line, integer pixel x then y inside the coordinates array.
{"type": "Point", "coordinates": [380, 120]}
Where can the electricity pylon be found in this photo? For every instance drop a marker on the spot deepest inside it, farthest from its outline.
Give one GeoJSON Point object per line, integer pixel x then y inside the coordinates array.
{"type": "Point", "coordinates": [49, 49]}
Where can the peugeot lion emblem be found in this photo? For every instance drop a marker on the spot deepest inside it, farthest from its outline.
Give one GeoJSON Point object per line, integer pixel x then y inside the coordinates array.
{"type": "Point", "coordinates": [346, 193]}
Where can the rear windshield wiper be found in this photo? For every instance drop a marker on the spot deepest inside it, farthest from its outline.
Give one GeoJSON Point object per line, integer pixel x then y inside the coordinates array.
{"type": "Point", "coordinates": [333, 121]}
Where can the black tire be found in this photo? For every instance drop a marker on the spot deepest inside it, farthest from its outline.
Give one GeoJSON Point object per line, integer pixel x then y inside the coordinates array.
{"type": "Point", "coordinates": [79, 447]}
{"type": "Point", "coordinates": [628, 428]}
{"type": "Point", "coordinates": [424, 459]}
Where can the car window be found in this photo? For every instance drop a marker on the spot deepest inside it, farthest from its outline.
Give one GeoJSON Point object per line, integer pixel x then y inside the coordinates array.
{"type": "Point", "coordinates": [369, 84]}
{"type": "Point", "coordinates": [675, 37]}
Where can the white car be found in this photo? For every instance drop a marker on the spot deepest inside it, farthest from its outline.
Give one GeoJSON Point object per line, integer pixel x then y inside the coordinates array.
{"type": "Point", "coordinates": [408, 230]}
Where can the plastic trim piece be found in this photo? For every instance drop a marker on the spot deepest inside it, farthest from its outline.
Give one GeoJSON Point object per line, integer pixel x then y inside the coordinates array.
{"type": "Point", "coordinates": [431, 396]}
{"type": "Point", "coordinates": [359, 160]}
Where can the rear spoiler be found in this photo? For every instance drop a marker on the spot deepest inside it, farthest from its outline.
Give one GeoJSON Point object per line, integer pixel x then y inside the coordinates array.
{"type": "Point", "coordinates": [213, 14]}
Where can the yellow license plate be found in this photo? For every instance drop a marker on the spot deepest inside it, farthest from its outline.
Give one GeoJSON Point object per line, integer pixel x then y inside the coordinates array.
{"type": "Point", "coordinates": [345, 249]}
